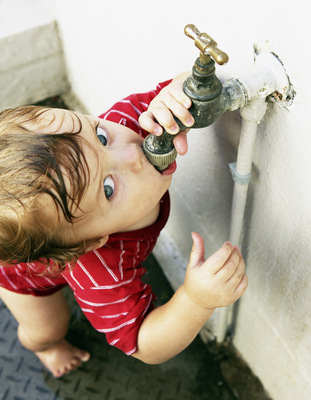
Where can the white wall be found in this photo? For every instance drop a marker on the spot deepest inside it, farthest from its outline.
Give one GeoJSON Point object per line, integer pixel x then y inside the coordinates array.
{"type": "Point", "coordinates": [115, 48]}
{"type": "Point", "coordinates": [31, 60]}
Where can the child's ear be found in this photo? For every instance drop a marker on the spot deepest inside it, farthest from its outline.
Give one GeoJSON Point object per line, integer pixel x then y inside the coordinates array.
{"type": "Point", "coordinates": [99, 243]}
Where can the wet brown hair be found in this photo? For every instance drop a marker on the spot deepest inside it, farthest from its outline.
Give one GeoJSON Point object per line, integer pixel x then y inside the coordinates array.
{"type": "Point", "coordinates": [33, 163]}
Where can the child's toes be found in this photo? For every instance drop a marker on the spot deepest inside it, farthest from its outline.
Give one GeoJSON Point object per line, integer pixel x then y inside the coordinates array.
{"type": "Point", "coordinates": [84, 356]}
{"type": "Point", "coordinates": [75, 363]}
{"type": "Point", "coordinates": [59, 372]}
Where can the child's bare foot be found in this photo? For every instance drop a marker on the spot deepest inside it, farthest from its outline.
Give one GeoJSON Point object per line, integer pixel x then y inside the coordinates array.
{"type": "Point", "coordinates": [62, 358]}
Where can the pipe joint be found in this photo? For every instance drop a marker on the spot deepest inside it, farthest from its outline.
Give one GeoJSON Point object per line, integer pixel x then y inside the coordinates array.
{"type": "Point", "coordinates": [254, 111]}
{"type": "Point", "coordinates": [269, 80]}
{"type": "Point", "coordinates": [238, 178]}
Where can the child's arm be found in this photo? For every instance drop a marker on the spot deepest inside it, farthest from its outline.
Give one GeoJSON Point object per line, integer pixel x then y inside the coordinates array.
{"type": "Point", "coordinates": [170, 102]}
{"type": "Point", "coordinates": [216, 282]}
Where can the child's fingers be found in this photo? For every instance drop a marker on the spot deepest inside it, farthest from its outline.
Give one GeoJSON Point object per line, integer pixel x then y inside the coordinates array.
{"type": "Point", "coordinates": [176, 90]}
{"type": "Point", "coordinates": [146, 121]}
{"type": "Point", "coordinates": [179, 111]}
{"type": "Point", "coordinates": [197, 251]}
{"type": "Point", "coordinates": [237, 276]}
{"type": "Point", "coordinates": [230, 266]}
{"type": "Point", "coordinates": [217, 260]}
{"type": "Point", "coordinates": [242, 286]}
{"type": "Point", "coordinates": [164, 117]}
{"type": "Point", "coordinates": [238, 281]}
{"type": "Point", "coordinates": [181, 143]}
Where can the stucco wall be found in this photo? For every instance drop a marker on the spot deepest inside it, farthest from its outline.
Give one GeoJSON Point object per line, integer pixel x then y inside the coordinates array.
{"type": "Point", "coordinates": [116, 48]}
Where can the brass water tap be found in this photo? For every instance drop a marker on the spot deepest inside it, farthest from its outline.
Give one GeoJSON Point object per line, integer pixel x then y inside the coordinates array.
{"type": "Point", "coordinates": [204, 90]}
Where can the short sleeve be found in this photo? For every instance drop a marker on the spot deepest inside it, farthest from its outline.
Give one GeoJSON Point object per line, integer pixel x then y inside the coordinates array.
{"type": "Point", "coordinates": [127, 111]}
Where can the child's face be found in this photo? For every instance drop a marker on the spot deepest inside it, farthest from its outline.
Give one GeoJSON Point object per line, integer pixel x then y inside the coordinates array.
{"type": "Point", "coordinates": [124, 188]}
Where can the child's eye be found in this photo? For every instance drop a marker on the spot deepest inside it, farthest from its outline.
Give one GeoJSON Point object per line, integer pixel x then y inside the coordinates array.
{"type": "Point", "coordinates": [102, 136]}
{"type": "Point", "coordinates": [108, 187]}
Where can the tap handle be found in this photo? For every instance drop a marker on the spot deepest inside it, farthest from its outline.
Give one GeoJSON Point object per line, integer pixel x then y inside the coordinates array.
{"type": "Point", "coordinates": [206, 44]}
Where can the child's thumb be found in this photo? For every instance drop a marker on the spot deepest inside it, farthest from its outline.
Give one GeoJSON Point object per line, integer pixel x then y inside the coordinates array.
{"type": "Point", "coordinates": [197, 251]}
{"type": "Point", "coordinates": [218, 259]}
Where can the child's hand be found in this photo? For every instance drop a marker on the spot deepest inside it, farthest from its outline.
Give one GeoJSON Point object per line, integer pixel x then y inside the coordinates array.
{"type": "Point", "coordinates": [218, 281]}
{"type": "Point", "coordinates": [170, 102]}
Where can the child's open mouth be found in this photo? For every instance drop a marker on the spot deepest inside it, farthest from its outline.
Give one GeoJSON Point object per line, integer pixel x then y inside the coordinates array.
{"type": "Point", "coordinates": [170, 169]}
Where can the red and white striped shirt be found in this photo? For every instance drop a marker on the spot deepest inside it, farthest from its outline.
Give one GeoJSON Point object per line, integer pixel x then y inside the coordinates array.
{"type": "Point", "coordinates": [108, 287]}
{"type": "Point", "coordinates": [106, 282]}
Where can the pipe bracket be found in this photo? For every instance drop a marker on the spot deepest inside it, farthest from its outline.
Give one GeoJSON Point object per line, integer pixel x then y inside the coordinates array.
{"type": "Point", "coordinates": [238, 178]}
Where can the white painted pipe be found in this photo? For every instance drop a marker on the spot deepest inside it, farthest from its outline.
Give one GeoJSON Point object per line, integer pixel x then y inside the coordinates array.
{"type": "Point", "coordinates": [251, 116]}
{"type": "Point", "coordinates": [268, 78]}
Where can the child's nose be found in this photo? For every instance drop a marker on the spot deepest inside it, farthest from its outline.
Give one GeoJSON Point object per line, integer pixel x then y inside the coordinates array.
{"type": "Point", "coordinates": [130, 158]}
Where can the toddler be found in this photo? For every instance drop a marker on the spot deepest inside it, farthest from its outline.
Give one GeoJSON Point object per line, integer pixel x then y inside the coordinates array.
{"type": "Point", "coordinates": [80, 205]}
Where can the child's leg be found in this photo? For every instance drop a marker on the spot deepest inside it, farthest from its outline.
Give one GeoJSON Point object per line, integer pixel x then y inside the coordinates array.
{"type": "Point", "coordinates": [43, 323]}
